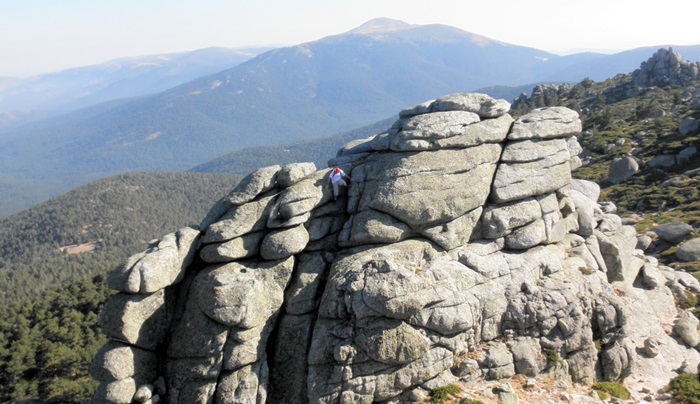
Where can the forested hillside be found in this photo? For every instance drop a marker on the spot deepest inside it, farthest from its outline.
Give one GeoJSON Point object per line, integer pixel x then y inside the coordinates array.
{"type": "Point", "coordinates": [93, 228]}
{"type": "Point", "coordinates": [47, 343]}
{"type": "Point", "coordinates": [53, 260]}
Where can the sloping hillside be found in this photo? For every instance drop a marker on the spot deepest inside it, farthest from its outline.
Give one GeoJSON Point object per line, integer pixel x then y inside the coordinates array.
{"type": "Point", "coordinates": [645, 121]}
{"type": "Point", "coordinates": [93, 228]}
{"type": "Point", "coordinates": [52, 263]}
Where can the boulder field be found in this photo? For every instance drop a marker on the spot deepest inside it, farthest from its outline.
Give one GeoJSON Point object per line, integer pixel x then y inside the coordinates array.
{"type": "Point", "coordinates": [462, 251]}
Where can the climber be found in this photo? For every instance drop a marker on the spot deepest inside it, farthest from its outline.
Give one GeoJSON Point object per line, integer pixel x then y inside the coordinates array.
{"type": "Point", "coordinates": [336, 180]}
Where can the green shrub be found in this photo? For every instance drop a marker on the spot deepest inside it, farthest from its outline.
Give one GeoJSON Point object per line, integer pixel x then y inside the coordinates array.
{"type": "Point", "coordinates": [693, 267]}
{"type": "Point", "coordinates": [470, 401]}
{"type": "Point", "coordinates": [440, 394]}
{"type": "Point", "coordinates": [615, 389]}
{"type": "Point", "coordinates": [691, 300]}
{"type": "Point", "coordinates": [598, 345]}
{"type": "Point", "coordinates": [685, 388]}
{"type": "Point", "coordinates": [552, 357]}
{"type": "Point", "coordinates": [669, 252]}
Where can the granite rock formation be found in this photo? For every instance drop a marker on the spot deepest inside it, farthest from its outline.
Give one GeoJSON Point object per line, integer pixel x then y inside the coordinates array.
{"type": "Point", "coordinates": [461, 250]}
{"type": "Point", "coordinates": [666, 67]}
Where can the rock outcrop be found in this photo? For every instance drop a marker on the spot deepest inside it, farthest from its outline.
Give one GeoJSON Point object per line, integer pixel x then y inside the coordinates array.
{"type": "Point", "coordinates": [460, 250]}
{"type": "Point", "coordinates": [666, 67]}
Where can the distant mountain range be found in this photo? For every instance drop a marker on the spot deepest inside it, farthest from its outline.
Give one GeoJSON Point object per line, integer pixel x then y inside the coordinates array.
{"type": "Point", "coordinates": [67, 90]}
{"type": "Point", "coordinates": [282, 96]}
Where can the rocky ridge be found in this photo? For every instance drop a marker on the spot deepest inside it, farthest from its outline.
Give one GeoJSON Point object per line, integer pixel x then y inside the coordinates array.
{"type": "Point", "coordinates": [462, 251]}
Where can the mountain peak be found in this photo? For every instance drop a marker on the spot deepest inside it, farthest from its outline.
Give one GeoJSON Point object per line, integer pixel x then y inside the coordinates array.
{"type": "Point", "coordinates": [381, 24]}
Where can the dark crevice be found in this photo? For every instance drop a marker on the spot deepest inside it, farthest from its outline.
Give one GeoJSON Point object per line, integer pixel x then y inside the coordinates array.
{"type": "Point", "coordinates": [176, 297]}
{"type": "Point", "coordinates": [498, 165]}
{"type": "Point", "coordinates": [276, 391]}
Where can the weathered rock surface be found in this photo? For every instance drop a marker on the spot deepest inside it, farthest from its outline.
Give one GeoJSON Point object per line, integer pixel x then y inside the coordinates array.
{"type": "Point", "coordinates": [588, 188]}
{"type": "Point", "coordinates": [164, 263]}
{"type": "Point", "coordinates": [461, 249]}
{"type": "Point", "coordinates": [293, 173]}
{"type": "Point", "coordinates": [254, 184]}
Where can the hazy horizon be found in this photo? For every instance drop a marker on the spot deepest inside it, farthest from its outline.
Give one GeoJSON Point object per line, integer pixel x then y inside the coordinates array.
{"type": "Point", "coordinates": [42, 36]}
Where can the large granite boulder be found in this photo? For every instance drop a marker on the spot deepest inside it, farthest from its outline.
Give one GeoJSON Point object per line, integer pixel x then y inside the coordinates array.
{"type": "Point", "coordinates": [530, 168]}
{"type": "Point", "coordinates": [138, 319]}
{"type": "Point", "coordinates": [461, 248]}
{"type": "Point", "coordinates": [689, 126]}
{"type": "Point", "coordinates": [257, 182]}
{"type": "Point", "coordinates": [621, 169]}
{"type": "Point", "coordinates": [546, 123]}
{"type": "Point", "coordinates": [426, 188]}
{"type": "Point", "coordinates": [449, 129]}
{"type": "Point", "coordinates": [673, 232]}
{"type": "Point", "coordinates": [689, 250]}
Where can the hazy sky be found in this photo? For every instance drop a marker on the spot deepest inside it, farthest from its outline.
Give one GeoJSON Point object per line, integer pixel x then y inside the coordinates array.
{"type": "Point", "coordinates": [39, 36]}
